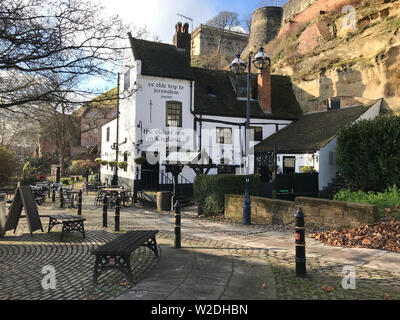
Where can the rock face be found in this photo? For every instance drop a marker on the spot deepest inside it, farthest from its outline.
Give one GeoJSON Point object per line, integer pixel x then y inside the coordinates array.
{"type": "Point", "coordinates": [326, 57]}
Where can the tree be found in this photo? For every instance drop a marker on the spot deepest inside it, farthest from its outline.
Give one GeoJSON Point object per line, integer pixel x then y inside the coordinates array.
{"type": "Point", "coordinates": [368, 154]}
{"type": "Point", "coordinates": [226, 21]}
{"type": "Point", "coordinates": [72, 39]}
{"type": "Point", "coordinates": [8, 166]}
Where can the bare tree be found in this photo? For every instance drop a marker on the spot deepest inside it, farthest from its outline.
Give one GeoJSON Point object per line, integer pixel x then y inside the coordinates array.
{"type": "Point", "coordinates": [71, 38]}
{"type": "Point", "coordinates": [225, 21]}
{"type": "Point", "coordinates": [247, 22]}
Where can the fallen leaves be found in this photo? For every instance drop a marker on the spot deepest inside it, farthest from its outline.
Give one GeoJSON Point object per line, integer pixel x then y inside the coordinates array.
{"type": "Point", "coordinates": [382, 235]}
{"type": "Point", "coordinates": [327, 288]}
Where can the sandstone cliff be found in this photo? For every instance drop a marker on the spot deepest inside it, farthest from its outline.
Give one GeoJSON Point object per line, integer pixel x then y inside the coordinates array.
{"type": "Point", "coordinates": [325, 58]}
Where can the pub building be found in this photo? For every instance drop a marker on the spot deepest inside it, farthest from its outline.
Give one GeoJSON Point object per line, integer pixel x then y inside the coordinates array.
{"type": "Point", "coordinates": [171, 112]}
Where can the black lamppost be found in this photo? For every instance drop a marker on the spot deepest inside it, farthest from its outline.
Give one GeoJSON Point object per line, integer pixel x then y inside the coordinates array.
{"type": "Point", "coordinates": [238, 66]}
{"type": "Point", "coordinates": [114, 181]}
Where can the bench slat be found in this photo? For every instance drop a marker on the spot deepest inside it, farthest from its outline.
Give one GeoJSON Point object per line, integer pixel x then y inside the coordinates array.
{"type": "Point", "coordinates": [125, 243]}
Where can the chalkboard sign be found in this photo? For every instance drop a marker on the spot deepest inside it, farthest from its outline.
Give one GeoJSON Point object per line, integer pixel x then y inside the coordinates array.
{"type": "Point", "coordinates": [23, 198]}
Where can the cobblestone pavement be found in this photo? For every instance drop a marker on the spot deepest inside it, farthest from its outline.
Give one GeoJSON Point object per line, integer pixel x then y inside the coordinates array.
{"type": "Point", "coordinates": [22, 257]}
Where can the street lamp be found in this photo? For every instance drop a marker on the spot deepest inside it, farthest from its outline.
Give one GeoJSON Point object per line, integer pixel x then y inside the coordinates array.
{"type": "Point", "coordinates": [238, 66]}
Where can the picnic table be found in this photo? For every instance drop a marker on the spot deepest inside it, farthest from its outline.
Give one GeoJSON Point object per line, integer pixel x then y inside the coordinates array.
{"type": "Point", "coordinates": [116, 253]}
{"type": "Point", "coordinates": [70, 196]}
{"type": "Point", "coordinates": [69, 223]}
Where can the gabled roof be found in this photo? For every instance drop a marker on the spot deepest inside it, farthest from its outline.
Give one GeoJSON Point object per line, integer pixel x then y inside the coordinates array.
{"type": "Point", "coordinates": [214, 94]}
{"type": "Point", "coordinates": [312, 132]}
{"type": "Point", "coordinates": [161, 59]}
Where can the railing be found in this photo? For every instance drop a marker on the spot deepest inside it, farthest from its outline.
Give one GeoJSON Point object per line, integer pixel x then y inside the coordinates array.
{"type": "Point", "coordinates": [168, 178]}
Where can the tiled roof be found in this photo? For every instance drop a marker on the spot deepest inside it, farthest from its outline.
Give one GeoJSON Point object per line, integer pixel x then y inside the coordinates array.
{"type": "Point", "coordinates": [214, 94]}
{"type": "Point", "coordinates": [312, 132]}
{"type": "Point", "coordinates": [161, 60]}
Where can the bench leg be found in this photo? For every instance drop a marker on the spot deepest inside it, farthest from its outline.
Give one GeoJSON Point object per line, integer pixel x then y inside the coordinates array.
{"type": "Point", "coordinates": [152, 244]}
{"type": "Point", "coordinates": [107, 262]}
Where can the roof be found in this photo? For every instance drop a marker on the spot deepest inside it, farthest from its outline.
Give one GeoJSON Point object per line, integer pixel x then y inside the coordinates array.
{"type": "Point", "coordinates": [161, 59]}
{"type": "Point", "coordinates": [214, 95]}
{"type": "Point", "coordinates": [312, 132]}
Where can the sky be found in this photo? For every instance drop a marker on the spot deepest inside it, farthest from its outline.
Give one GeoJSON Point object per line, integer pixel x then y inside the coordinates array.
{"type": "Point", "coordinates": [160, 16]}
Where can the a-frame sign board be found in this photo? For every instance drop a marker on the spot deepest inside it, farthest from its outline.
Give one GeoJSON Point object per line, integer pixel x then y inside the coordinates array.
{"type": "Point", "coordinates": [23, 198]}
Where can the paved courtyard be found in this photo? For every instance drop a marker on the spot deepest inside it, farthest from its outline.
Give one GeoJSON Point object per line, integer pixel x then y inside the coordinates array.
{"type": "Point", "coordinates": [218, 260]}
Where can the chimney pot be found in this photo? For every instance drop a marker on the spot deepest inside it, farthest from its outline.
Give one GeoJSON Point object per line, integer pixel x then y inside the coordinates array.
{"type": "Point", "coordinates": [185, 28]}
{"type": "Point", "coordinates": [178, 27]}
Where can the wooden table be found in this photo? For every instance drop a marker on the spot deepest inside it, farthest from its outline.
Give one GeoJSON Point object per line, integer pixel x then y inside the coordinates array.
{"type": "Point", "coordinates": [70, 223]}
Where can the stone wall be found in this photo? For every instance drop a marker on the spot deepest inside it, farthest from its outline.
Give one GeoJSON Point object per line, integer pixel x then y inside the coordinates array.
{"type": "Point", "coordinates": [318, 212]}
{"type": "Point", "coordinates": [294, 7]}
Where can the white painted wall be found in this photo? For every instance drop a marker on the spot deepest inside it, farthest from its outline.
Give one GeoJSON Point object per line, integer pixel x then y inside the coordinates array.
{"type": "Point", "coordinates": [143, 119]}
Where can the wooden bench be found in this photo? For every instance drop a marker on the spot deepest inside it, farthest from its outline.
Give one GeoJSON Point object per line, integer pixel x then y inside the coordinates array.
{"type": "Point", "coordinates": [70, 223]}
{"type": "Point", "coordinates": [116, 253]}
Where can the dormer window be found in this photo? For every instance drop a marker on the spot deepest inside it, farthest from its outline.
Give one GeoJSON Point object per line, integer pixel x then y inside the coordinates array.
{"type": "Point", "coordinates": [210, 91]}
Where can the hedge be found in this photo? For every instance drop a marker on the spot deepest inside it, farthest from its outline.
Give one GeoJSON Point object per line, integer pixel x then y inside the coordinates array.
{"type": "Point", "coordinates": [209, 190]}
{"type": "Point", "coordinates": [368, 154]}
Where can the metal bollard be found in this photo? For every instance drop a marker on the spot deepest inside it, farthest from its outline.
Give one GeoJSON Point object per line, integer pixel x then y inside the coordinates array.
{"type": "Point", "coordinates": [53, 198]}
{"type": "Point", "coordinates": [61, 198]}
{"type": "Point", "coordinates": [117, 209]}
{"type": "Point", "coordinates": [300, 244]}
{"type": "Point", "coordinates": [80, 203]}
{"type": "Point", "coordinates": [105, 205]}
{"type": "Point", "coordinates": [177, 220]}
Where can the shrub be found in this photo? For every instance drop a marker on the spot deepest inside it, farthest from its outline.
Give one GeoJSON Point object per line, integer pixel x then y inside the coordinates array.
{"type": "Point", "coordinates": [8, 167]}
{"type": "Point", "coordinates": [209, 190]}
{"type": "Point", "coordinates": [384, 200]}
{"type": "Point", "coordinates": [368, 153]}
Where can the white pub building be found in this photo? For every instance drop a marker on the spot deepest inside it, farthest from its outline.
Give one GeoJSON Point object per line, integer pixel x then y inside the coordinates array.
{"type": "Point", "coordinates": [170, 111]}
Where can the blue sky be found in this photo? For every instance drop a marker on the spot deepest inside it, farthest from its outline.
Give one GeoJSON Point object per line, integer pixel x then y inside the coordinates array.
{"type": "Point", "coordinates": [160, 16]}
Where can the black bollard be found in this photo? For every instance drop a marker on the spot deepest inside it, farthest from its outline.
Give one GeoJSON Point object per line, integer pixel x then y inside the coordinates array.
{"type": "Point", "coordinates": [105, 205]}
{"type": "Point", "coordinates": [53, 198]}
{"type": "Point", "coordinates": [61, 198]}
{"type": "Point", "coordinates": [300, 244]}
{"type": "Point", "coordinates": [117, 209]}
{"type": "Point", "coordinates": [80, 203]}
{"type": "Point", "coordinates": [177, 209]}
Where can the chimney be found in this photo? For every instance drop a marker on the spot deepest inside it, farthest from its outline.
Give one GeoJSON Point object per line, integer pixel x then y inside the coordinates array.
{"type": "Point", "coordinates": [264, 90]}
{"type": "Point", "coordinates": [182, 38]}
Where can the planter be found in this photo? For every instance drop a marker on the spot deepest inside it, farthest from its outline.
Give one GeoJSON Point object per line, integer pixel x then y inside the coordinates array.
{"type": "Point", "coordinates": [123, 165]}
{"type": "Point", "coordinates": [112, 164]}
{"type": "Point", "coordinates": [98, 161]}
{"type": "Point", "coordinates": [104, 162]}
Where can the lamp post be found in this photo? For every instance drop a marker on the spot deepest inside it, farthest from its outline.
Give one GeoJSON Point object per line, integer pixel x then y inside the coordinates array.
{"type": "Point", "coordinates": [238, 66]}
{"type": "Point", "coordinates": [115, 171]}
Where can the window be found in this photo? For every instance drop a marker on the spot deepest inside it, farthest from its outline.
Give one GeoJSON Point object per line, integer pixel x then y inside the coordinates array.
{"type": "Point", "coordinates": [87, 143]}
{"type": "Point", "coordinates": [224, 135]}
{"type": "Point", "coordinates": [331, 158]}
{"type": "Point", "coordinates": [127, 79]}
{"type": "Point", "coordinates": [87, 127]}
{"type": "Point", "coordinates": [96, 130]}
{"type": "Point", "coordinates": [95, 142]}
{"type": "Point", "coordinates": [174, 114]}
{"type": "Point", "coordinates": [258, 133]}
{"type": "Point", "coordinates": [108, 134]}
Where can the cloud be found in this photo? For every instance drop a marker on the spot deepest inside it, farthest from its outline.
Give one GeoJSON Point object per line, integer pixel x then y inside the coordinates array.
{"type": "Point", "coordinates": [160, 16]}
